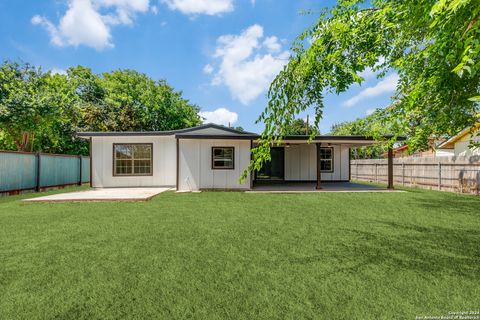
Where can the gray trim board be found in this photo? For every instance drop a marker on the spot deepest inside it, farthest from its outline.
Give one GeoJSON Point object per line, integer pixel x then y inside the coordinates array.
{"type": "Point", "coordinates": [219, 136]}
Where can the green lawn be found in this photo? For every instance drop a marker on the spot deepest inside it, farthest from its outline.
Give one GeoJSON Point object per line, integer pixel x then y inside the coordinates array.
{"type": "Point", "coordinates": [227, 255]}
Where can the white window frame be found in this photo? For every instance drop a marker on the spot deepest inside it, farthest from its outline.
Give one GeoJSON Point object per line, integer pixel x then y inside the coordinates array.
{"type": "Point", "coordinates": [326, 159]}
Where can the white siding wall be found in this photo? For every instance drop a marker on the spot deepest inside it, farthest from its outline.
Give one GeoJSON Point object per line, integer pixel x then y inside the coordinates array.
{"type": "Point", "coordinates": [444, 153]}
{"type": "Point", "coordinates": [300, 163]}
{"type": "Point", "coordinates": [195, 162]}
{"type": "Point", "coordinates": [461, 146]}
{"type": "Point", "coordinates": [164, 162]}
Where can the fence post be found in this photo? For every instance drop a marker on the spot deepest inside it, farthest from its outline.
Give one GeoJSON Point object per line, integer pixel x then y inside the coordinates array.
{"type": "Point", "coordinates": [37, 183]}
{"type": "Point", "coordinates": [80, 171]}
{"type": "Point", "coordinates": [403, 174]}
{"type": "Point", "coordinates": [376, 174]}
{"type": "Point", "coordinates": [439, 176]}
{"type": "Point", "coordinates": [478, 183]}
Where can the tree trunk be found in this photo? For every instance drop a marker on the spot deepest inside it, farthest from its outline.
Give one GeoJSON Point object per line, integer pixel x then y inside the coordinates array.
{"type": "Point", "coordinates": [21, 142]}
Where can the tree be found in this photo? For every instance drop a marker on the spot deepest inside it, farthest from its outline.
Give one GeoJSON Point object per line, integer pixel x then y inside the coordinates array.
{"type": "Point", "coordinates": [27, 106]}
{"type": "Point", "coordinates": [300, 127]}
{"type": "Point", "coordinates": [238, 128]}
{"type": "Point", "coordinates": [433, 45]}
{"type": "Point", "coordinates": [131, 101]}
{"type": "Point", "coordinates": [59, 136]}
{"type": "Point", "coordinates": [43, 111]}
{"type": "Point", "coordinates": [363, 127]}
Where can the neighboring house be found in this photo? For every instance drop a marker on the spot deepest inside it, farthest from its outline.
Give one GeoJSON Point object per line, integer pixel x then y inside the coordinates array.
{"type": "Point", "coordinates": [213, 157]}
{"type": "Point", "coordinates": [459, 144]}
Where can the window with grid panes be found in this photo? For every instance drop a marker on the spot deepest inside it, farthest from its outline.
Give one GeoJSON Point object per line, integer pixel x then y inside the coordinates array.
{"type": "Point", "coordinates": [133, 159]}
{"type": "Point", "coordinates": [326, 159]}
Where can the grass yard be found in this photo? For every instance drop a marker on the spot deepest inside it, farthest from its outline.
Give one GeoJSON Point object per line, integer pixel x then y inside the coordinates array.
{"type": "Point", "coordinates": [227, 255]}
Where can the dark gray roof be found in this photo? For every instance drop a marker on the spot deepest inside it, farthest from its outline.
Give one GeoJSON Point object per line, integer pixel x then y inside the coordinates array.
{"type": "Point", "coordinates": [188, 133]}
{"type": "Point", "coordinates": [162, 133]}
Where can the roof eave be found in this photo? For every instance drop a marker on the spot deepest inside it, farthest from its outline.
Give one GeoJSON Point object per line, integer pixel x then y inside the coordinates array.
{"type": "Point", "coordinates": [450, 143]}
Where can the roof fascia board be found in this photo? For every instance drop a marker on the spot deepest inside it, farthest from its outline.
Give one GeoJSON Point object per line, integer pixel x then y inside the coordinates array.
{"type": "Point", "coordinates": [450, 143]}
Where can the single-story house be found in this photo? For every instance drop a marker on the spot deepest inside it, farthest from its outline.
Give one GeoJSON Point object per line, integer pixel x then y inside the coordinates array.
{"type": "Point", "coordinates": [459, 144]}
{"type": "Point", "coordinates": [211, 156]}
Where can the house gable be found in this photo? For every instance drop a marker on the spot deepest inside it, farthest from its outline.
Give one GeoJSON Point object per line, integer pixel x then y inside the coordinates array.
{"type": "Point", "coordinates": [465, 135]}
{"type": "Point", "coordinates": [213, 129]}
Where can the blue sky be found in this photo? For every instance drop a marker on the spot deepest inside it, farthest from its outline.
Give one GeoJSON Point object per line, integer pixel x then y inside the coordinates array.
{"type": "Point", "coordinates": [222, 54]}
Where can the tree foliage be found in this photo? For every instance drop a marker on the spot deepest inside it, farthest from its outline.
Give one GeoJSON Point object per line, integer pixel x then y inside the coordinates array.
{"type": "Point", "coordinates": [40, 111]}
{"type": "Point", "coordinates": [300, 127]}
{"type": "Point", "coordinates": [27, 106]}
{"type": "Point", "coordinates": [376, 122]}
{"type": "Point", "coordinates": [433, 45]}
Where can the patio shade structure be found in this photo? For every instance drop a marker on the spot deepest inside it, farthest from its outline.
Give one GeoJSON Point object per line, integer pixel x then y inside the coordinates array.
{"type": "Point", "coordinates": [353, 141]}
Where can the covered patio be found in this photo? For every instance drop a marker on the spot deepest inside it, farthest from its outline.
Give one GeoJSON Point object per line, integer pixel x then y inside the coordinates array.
{"type": "Point", "coordinates": [322, 164]}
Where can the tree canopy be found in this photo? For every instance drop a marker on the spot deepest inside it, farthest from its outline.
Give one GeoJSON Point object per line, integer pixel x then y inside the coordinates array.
{"type": "Point", "coordinates": [433, 45]}
{"type": "Point", "coordinates": [300, 127]}
{"type": "Point", "coordinates": [364, 127]}
{"type": "Point", "coordinates": [41, 111]}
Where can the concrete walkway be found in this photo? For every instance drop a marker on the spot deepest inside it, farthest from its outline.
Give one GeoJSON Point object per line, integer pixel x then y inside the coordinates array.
{"type": "Point", "coordinates": [107, 194]}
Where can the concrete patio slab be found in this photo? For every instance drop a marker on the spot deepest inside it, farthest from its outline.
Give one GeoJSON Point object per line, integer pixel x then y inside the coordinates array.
{"type": "Point", "coordinates": [107, 194]}
{"type": "Point", "coordinates": [300, 187]}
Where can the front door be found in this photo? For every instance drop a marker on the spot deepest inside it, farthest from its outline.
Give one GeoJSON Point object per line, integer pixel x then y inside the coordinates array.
{"type": "Point", "coordinates": [275, 169]}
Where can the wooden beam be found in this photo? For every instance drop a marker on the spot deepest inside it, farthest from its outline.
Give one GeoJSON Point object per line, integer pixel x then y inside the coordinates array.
{"type": "Point", "coordinates": [349, 164]}
{"type": "Point", "coordinates": [319, 175]}
{"type": "Point", "coordinates": [390, 168]}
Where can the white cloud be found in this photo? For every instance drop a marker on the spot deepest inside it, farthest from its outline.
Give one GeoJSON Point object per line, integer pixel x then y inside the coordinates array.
{"type": "Point", "coordinates": [219, 116]}
{"type": "Point", "coordinates": [368, 73]}
{"type": "Point", "coordinates": [154, 10]}
{"type": "Point", "coordinates": [247, 64]}
{"type": "Point", "coordinates": [125, 10]}
{"type": "Point", "coordinates": [55, 38]}
{"type": "Point", "coordinates": [370, 111]}
{"type": "Point", "coordinates": [89, 22]}
{"type": "Point", "coordinates": [58, 71]}
{"type": "Point", "coordinates": [192, 7]}
{"type": "Point", "coordinates": [208, 69]}
{"type": "Point", "coordinates": [272, 44]}
{"type": "Point", "coordinates": [388, 84]}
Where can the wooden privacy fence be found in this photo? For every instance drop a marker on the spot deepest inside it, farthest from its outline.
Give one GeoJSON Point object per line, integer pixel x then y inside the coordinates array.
{"type": "Point", "coordinates": [455, 174]}
{"type": "Point", "coordinates": [21, 171]}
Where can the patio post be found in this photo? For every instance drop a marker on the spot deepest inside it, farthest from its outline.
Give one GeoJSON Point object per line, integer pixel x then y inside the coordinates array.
{"type": "Point", "coordinates": [319, 176]}
{"type": "Point", "coordinates": [252, 173]}
{"type": "Point", "coordinates": [91, 161]}
{"type": "Point", "coordinates": [177, 164]}
{"type": "Point", "coordinates": [390, 168]}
